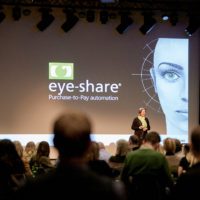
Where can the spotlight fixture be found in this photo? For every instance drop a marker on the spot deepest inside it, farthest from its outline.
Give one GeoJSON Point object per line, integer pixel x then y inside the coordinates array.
{"type": "Point", "coordinates": [104, 16]}
{"type": "Point", "coordinates": [71, 20]}
{"type": "Point", "coordinates": [194, 23]}
{"type": "Point", "coordinates": [46, 19]}
{"type": "Point", "coordinates": [165, 17]}
{"type": "Point", "coordinates": [126, 21]}
{"type": "Point", "coordinates": [16, 13]}
{"type": "Point", "coordinates": [149, 23]}
{"type": "Point", "coordinates": [90, 15]}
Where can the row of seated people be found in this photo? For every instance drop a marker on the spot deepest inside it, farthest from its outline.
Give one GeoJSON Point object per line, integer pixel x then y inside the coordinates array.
{"type": "Point", "coordinates": [38, 162]}
{"type": "Point", "coordinates": [17, 164]}
{"type": "Point", "coordinates": [36, 157]}
{"type": "Point", "coordinates": [70, 178]}
{"type": "Point", "coordinates": [178, 156]}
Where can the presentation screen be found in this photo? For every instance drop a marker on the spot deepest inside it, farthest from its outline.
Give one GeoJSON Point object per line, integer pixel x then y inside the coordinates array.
{"type": "Point", "coordinates": [95, 69]}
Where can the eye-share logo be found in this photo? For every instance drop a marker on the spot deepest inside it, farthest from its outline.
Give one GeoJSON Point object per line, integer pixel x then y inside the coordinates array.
{"type": "Point", "coordinates": [61, 71]}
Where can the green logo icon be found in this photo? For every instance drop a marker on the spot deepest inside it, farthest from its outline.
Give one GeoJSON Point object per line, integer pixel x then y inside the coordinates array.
{"type": "Point", "coordinates": [61, 71]}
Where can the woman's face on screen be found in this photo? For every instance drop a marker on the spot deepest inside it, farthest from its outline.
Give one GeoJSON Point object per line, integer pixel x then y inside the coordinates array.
{"type": "Point", "coordinates": [170, 78]}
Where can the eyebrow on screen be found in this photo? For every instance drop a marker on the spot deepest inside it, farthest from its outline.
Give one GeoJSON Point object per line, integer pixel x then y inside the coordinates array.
{"type": "Point", "coordinates": [172, 64]}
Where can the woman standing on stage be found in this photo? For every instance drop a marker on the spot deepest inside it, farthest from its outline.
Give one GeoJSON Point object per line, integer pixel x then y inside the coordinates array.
{"type": "Point", "coordinates": [141, 124]}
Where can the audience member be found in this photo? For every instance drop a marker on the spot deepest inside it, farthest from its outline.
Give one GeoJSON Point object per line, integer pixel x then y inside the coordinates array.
{"type": "Point", "coordinates": [185, 161]}
{"type": "Point", "coordinates": [134, 142]}
{"type": "Point", "coordinates": [12, 172]}
{"type": "Point", "coordinates": [20, 151]}
{"type": "Point", "coordinates": [19, 148]}
{"type": "Point", "coordinates": [173, 160]}
{"type": "Point", "coordinates": [146, 172]}
{"type": "Point", "coordinates": [179, 148]}
{"type": "Point", "coordinates": [116, 162]}
{"type": "Point", "coordinates": [72, 179]}
{"type": "Point", "coordinates": [101, 167]}
{"type": "Point", "coordinates": [41, 163]}
{"type": "Point", "coordinates": [187, 186]}
{"type": "Point", "coordinates": [29, 151]}
{"type": "Point", "coordinates": [103, 153]}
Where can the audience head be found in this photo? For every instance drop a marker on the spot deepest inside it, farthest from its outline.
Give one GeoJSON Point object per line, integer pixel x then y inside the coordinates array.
{"type": "Point", "coordinates": [178, 145]}
{"type": "Point", "coordinates": [153, 138]}
{"type": "Point", "coordinates": [195, 141]}
{"type": "Point", "coordinates": [101, 145]}
{"type": "Point", "coordinates": [134, 140]}
{"type": "Point", "coordinates": [7, 147]}
{"type": "Point", "coordinates": [122, 147]}
{"type": "Point", "coordinates": [43, 149]}
{"type": "Point", "coordinates": [186, 148]}
{"type": "Point", "coordinates": [10, 161]}
{"type": "Point", "coordinates": [169, 145]}
{"type": "Point", "coordinates": [19, 148]}
{"type": "Point", "coordinates": [93, 153]}
{"type": "Point", "coordinates": [30, 147]}
{"type": "Point", "coordinates": [72, 134]}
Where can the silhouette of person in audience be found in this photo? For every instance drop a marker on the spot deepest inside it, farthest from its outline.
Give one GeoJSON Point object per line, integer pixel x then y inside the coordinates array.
{"type": "Point", "coordinates": [146, 172]}
{"type": "Point", "coordinates": [134, 142]}
{"type": "Point", "coordinates": [187, 160]}
{"type": "Point", "coordinates": [72, 178]}
{"type": "Point", "coordinates": [103, 153]}
{"type": "Point", "coordinates": [12, 170]}
{"type": "Point", "coordinates": [187, 186]}
{"type": "Point", "coordinates": [99, 166]}
{"type": "Point", "coordinates": [40, 162]}
{"type": "Point", "coordinates": [30, 150]}
{"type": "Point", "coordinates": [173, 160]}
{"type": "Point", "coordinates": [116, 161]}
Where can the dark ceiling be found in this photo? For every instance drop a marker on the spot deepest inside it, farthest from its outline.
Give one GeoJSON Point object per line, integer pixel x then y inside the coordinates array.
{"type": "Point", "coordinates": [191, 6]}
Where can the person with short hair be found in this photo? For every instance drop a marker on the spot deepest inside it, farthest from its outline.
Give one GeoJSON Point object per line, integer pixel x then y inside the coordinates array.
{"type": "Point", "coordinates": [134, 142]}
{"type": "Point", "coordinates": [146, 172]}
{"type": "Point", "coordinates": [72, 179]}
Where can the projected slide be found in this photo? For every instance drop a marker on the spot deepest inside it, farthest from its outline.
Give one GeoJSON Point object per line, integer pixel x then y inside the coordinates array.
{"type": "Point", "coordinates": [164, 77]}
{"type": "Point", "coordinates": [93, 69]}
